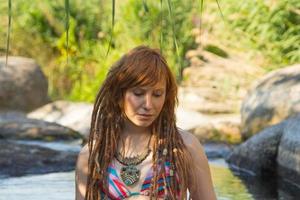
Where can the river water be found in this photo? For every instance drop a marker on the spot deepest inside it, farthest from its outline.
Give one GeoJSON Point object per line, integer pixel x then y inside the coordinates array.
{"type": "Point", "coordinates": [60, 186]}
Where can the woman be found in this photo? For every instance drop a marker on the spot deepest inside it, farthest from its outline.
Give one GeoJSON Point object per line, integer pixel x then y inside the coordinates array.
{"type": "Point", "coordinates": [135, 150]}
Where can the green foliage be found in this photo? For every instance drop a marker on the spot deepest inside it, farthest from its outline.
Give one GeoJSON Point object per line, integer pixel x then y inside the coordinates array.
{"type": "Point", "coordinates": [216, 50]}
{"type": "Point", "coordinates": [155, 23]}
{"type": "Point", "coordinates": [267, 28]}
{"type": "Point", "coordinates": [39, 32]}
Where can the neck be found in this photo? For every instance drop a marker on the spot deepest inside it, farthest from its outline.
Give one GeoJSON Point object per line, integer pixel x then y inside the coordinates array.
{"type": "Point", "coordinates": [134, 139]}
{"type": "Point", "coordinates": [131, 130]}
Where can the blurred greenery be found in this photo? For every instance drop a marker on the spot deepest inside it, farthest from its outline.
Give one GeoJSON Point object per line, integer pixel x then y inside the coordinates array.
{"type": "Point", "coordinates": [38, 31]}
{"type": "Point", "coordinates": [268, 30]}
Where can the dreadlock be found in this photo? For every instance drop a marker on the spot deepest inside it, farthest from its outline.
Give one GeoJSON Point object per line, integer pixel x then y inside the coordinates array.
{"type": "Point", "coordinates": [141, 66]}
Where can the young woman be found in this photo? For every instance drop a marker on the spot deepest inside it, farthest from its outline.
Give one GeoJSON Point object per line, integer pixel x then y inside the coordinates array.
{"type": "Point", "coordinates": [135, 150]}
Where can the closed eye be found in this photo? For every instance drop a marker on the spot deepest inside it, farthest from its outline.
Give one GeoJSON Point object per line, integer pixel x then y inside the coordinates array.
{"type": "Point", "coordinates": [138, 94]}
{"type": "Point", "coordinates": [157, 95]}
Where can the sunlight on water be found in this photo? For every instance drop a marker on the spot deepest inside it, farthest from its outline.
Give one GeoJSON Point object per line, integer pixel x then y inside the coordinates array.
{"type": "Point", "coordinates": [227, 186]}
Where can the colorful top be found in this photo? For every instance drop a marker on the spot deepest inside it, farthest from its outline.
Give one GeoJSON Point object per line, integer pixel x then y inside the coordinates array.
{"type": "Point", "coordinates": [117, 190]}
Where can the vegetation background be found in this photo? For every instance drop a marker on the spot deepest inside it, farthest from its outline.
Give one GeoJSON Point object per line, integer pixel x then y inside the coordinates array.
{"type": "Point", "coordinates": [268, 32]}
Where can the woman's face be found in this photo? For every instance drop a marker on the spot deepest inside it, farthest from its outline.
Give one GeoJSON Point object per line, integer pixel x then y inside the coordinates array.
{"type": "Point", "coordinates": [142, 105]}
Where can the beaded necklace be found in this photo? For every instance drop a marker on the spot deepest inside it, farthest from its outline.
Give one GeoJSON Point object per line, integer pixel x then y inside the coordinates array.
{"type": "Point", "coordinates": [130, 174]}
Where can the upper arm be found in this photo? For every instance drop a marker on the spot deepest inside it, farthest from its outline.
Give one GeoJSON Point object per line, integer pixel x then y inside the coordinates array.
{"type": "Point", "coordinates": [81, 173]}
{"type": "Point", "coordinates": [200, 185]}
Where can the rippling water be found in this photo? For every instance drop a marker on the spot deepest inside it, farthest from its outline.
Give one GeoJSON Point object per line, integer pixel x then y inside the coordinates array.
{"type": "Point", "coordinates": [53, 186]}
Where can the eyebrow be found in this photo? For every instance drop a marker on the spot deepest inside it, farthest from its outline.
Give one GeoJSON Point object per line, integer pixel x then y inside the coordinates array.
{"type": "Point", "coordinates": [145, 88]}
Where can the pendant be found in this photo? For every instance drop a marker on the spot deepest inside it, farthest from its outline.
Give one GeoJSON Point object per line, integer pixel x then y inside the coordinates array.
{"type": "Point", "coordinates": [130, 174]}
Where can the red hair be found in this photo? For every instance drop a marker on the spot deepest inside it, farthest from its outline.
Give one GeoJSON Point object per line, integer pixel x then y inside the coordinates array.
{"type": "Point", "coordinates": [139, 67]}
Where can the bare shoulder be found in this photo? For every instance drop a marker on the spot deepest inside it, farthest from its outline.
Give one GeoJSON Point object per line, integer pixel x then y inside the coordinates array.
{"type": "Point", "coordinates": [81, 172]}
{"type": "Point", "coordinates": [84, 151]}
{"type": "Point", "coordinates": [196, 150]}
{"type": "Point", "coordinates": [82, 160]}
{"type": "Point", "coordinates": [200, 185]}
{"type": "Point", "coordinates": [191, 141]}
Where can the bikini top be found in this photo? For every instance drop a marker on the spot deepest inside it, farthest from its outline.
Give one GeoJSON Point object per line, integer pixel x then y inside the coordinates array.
{"type": "Point", "coordinates": [117, 190]}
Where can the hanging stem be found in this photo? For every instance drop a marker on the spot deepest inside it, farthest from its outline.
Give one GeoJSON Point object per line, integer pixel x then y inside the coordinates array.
{"type": "Point", "coordinates": [161, 27]}
{"type": "Point", "coordinates": [67, 7]}
{"type": "Point", "coordinates": [175, 40]}
{"type": "Point", "coordinates": [220, 9]}
{"type": "Point", "coordinates": [112, 26]}
{"type": "Point", "coordinates": [8, 32]}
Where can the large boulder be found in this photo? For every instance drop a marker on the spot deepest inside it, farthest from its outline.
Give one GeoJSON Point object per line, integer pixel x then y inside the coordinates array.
{"type": "Point", "coordinates": [272, 99]}
{"type": "Point", "coordinates": [23, 86]}
{"type": "Point", "coordinates": [20, 159]}
{"type": "Point", "coordinates": [75, 115]}
{"type": "Point", "coordinates": [273, 151]}
{"type": "Point", "coordinates": [210, 128]}
{"type": "Point", "coordinates": [18, 126]}
{"type": "Point", "coordinates": [288, 158]}
{"type": "Point", "coordinates": [258, 154]}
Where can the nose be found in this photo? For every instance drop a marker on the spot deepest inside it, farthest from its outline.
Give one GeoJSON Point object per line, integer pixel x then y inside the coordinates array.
{"type": "Point", "coordinates": [148, 102]}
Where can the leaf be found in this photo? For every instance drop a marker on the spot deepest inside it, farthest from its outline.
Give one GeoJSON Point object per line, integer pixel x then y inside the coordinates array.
{"type": "Point", "coordinates": [8, 32]}
{"type": "Point", "coordinates": [145, 6]}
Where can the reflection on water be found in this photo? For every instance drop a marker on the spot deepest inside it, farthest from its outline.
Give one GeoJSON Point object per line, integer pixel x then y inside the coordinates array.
{"type": "Point", "coordinates": [238, 185]}
{"type": "Point", "coordinates": [227, 186]}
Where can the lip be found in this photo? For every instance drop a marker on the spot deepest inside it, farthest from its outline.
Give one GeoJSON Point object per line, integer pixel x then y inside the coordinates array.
{"type": "Point", "coordinates": [145, 116]}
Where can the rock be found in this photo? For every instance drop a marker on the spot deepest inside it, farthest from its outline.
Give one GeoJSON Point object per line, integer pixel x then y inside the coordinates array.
{"type": "Point", "coordinates": [215, 85]}
{"type": "Point", "coordinates": [19, 159]}
{"type": "Point", "coordinates": [272, 99]}
{"type": "Point", "coordinates": [211, 128]}
{"type": "Point", "coordinates": [23, 86]}
{"type": "Point", "coordinates": [17, 126]}
{"type": "Point", "coordinates": [273, 151]}
{"type": "Point", "coordinates": [76, 116]}
{"type": "Point", "coordinates": [205, 100]}
{"type": "Point", "coordinates": [258, 154]}
{"type": "Point", "coordinates": [227, 130]}
{"type": "Point", "coordinates": [217, 150]}
{"type": "Point", "coordinates": [288, 158]}
{"type": "Point", "coordinates": [188, 119]}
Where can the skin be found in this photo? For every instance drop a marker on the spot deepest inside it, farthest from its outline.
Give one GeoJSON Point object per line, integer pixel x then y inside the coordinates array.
{"type": "Point", "coordinates": [142, 105]}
